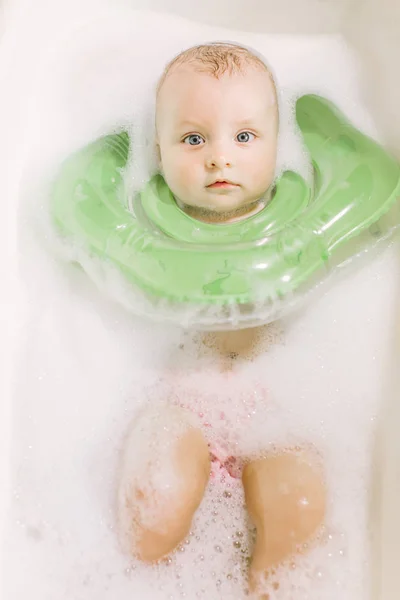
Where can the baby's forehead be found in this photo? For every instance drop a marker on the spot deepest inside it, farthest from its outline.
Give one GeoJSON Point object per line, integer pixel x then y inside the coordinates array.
{"type": "Point", "coordinates": [194, 97]}
{"type": "Point", "coordinates": [189, 84]}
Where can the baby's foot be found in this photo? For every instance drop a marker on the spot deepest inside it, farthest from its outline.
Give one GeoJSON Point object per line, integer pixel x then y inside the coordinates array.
{"type": "Point", "coordinates": [286, 499]}
{"type": "Point", "coordinates": [165, 470]}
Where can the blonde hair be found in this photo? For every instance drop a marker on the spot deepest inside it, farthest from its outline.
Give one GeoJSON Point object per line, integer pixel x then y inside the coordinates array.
{"type": "Point", "coordinates": [216, 59]}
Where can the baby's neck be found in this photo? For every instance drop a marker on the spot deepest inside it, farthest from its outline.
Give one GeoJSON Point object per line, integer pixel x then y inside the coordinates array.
{"type": "Point", "coordinates": [209, 216]}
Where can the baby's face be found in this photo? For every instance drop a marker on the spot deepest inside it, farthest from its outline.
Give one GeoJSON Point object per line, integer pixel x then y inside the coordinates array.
{"type": "Point", "coordinates": [217, 138]}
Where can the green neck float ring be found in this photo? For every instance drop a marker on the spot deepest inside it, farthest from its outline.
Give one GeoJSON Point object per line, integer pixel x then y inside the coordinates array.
{"type": "Point", "coordinates": [176, 268]}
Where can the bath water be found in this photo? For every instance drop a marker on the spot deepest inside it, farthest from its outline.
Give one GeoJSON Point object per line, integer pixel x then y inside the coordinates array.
{"type": "Point", "coordinates": [85, 366]}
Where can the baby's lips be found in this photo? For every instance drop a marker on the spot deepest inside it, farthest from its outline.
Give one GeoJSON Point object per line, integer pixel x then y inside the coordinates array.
{"type": "Point", "coordinates": [218, 182]}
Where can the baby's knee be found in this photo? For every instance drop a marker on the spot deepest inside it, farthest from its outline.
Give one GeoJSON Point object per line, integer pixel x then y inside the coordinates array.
{"type": "Point", "coordinates": [165, 471]}
{"type": "Point", "coordinates": [286, 499]}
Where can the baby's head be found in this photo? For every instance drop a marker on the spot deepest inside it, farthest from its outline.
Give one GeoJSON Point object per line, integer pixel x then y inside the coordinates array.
{"type": "Point", "coordinates": [216, 130]}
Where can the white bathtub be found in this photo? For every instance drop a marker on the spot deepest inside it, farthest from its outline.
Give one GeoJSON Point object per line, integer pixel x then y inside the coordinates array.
{"type": "Point", "coordinates": [372, 26]}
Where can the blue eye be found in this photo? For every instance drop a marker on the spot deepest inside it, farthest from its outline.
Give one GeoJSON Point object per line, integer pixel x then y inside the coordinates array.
{"type": "Point", "coordinates": [194, 139]}
{"type": "Point", "coordinates": [245, 136]}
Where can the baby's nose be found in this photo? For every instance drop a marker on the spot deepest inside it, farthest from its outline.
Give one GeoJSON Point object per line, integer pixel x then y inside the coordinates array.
{"type": "Point", "coordinates": [218, 158]}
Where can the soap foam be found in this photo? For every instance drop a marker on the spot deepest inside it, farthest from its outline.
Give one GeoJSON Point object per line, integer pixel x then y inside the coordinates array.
{"type": "Point", "coordinates": [87, 367]}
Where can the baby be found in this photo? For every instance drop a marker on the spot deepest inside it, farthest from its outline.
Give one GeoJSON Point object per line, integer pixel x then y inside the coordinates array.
{"type": "Point", "coordinates": [216, 131]}
{"type": "Point", "coordinates": [216, 135]}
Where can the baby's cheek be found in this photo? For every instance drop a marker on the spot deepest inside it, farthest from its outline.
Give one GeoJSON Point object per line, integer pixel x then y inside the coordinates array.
{"type": "Point", "coordinates": [267, 160]}
{"type": "Point", "coordinates": [184, 176]}
{"type": "Point", "coordinates": [191, 172]}
{"type": "Point", "coordinates": [261, 173]}
{"type": "Point", "coordinates": [173, 169]}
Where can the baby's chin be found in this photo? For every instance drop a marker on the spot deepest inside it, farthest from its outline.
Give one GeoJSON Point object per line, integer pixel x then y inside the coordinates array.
{"type": "Point", "coordinates": [218, 202]}
{"type": "Point", "coordinates": [225, 205]}
{"type": "Point", "coordinates": [225, 209]}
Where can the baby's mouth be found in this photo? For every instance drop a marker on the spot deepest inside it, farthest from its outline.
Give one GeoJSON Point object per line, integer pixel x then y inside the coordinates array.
{"type": "Point", "coordinates": [222, 183]}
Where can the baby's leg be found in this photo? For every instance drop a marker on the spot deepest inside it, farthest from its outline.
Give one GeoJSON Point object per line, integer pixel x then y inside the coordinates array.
{"type": "Point", "coordinates": [165, 470]}
{"type": "Point", "coordinates": [286, 499]}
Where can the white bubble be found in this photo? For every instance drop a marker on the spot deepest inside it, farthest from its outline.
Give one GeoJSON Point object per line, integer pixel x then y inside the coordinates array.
{"type": "Point", "coordinates": [88, 367]}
